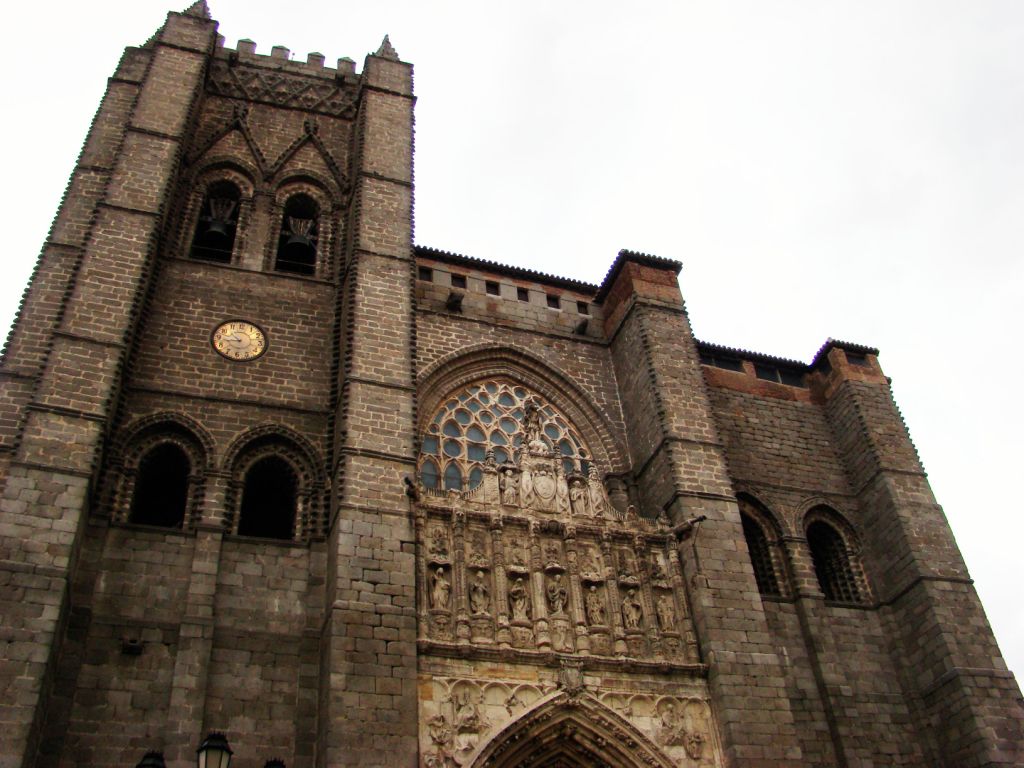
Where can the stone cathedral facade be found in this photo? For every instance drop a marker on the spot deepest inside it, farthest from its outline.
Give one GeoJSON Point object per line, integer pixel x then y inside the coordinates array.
{"type": "Point", "coordinates": [270, 469]}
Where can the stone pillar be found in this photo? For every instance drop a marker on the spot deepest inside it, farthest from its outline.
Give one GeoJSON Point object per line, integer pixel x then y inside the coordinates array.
{"type": "Point", "coordinates": [368, 702]}
{"type": "Point", "coordinates": [73, 336]}
{"type": "Point", "coordinates": [969, 711]}
{"type": "Point", "coordinates": [681, 471]}
{"type": "Point", "coordinates": [503, 634]}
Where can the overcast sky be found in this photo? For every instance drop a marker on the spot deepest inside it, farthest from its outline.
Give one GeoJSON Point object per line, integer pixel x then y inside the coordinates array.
{"type": "Point", "coordinates": [843, 169]}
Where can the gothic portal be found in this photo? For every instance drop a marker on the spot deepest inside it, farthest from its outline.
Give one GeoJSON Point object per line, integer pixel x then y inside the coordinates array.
{"type": "Point", "coordinates": [270, 469]}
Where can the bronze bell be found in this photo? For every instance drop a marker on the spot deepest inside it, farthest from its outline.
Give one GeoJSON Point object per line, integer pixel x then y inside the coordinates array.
{"type": "Point", "coordinates": [218, 231]}
{"type": "Point", "coordinates": [300, 245]}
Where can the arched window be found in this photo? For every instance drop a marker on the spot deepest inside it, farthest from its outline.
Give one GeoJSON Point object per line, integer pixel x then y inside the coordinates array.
{"type": "Point", "coordinates": [490, 416]}
{"type": "Point", "coordinates": [297, 245]}
{"type": "Point", "coordinates": [269, 500]}
{"type": "Point", "coordinates": [218, 221]}
{"type": "Point", "coordinates": [832, 563]}
{"type": "Point", "coordinates": [760, 556]}
{"type": "Point", "coordinates": [161, 487]}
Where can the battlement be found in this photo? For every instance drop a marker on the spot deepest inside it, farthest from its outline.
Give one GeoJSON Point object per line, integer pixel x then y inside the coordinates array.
{"type": "Point", "coordinates": [280, 58]}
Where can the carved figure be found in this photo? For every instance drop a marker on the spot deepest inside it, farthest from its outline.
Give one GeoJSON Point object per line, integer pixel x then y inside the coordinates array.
{"type": "Point", "coordinates": [558, 596]}
{"type": "Point", "coordinates": [587, 565]}
{"type": "Point", "coordinates": [479, 595]}
{"type": "Point", "coordinates": [594, 606]}
{"type": "Point", "coordinates": [468, 723]}
{"type": "Point", "coordinates": [632, 611]}
{"type": "Point", "coordinates": [671, 732]}
{"type": "Point", "coordinates": [694, 744]}
{"type": "Point", "coordinates": [560, 637]}
{"type": "Point", "coordinates": [599, 504]}
{"type": "Point", "coordinates": [578, 497]}
{"type": "Point", "coordinates": [561, 491]}
{"type": "Point", "coordinates": [440, 590]}
{"type": "Point", "coordinates": [478, 550]}
{"type": "Point", "coordinates": [440, 732]}
{"type": "Point", "coordinates": [666, 613]}
{"type": "Point", "coordinates": [519, 601]}
{"type": "Point", "coordinates": [552, 554]}
{"type": "Point", "coordinates": [517, 554]}
{"type": "Point", "coordinates": [509, 487]}
{"type": "Point", "coordinates": [627, 567]}
{"type": "Point", "coordinates": [439, 543]}
{"type": "Point", "coordinates": [657, 569]}
{"type": "Point", "coordinates": [534, 426]}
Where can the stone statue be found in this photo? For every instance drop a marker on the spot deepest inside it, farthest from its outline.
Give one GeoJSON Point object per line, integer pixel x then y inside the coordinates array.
{"type": "Point", "coordinates": [599, 504]}
{"type": "Point", "coordinates": [440, 590]}
{"type": "Point", "coordinates": [552, 554]}
{"type": "Point", "coordinates": [509, 487]}
{"type": "Point", "coordinates": [478, 550]}
{"type": "Point", "coordinates": [632, 611]}
{"type": "Point", "coordinates": [519, 601]}
{"type": "Point", "coordinates": [562, 491]}
{"type": "Point", "coordinates": [666, 613]}
{"type": "Point", "coordinates": [594, 607]}
{"type": "Point", "coordinates": [558, 596]}
{"type": "Point", "coordinates": [587, 565]}
{"type": "Point", "coordinates": [534, 426]}
{"type": "Point", "coordinates": [468, 723]}
{"type": "Point", "coordinates": [479, 595]}
{"type": "Point", "coordinates": [578, 498]}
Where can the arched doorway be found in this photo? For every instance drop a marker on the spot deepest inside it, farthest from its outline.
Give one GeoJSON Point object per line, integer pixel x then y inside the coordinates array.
{"type": "Point", "coordinates": [569, 731]}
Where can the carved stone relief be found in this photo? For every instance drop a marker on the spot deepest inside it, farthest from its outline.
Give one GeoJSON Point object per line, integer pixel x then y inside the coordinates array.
{"type": "Point", "coordinates": [464, 717]}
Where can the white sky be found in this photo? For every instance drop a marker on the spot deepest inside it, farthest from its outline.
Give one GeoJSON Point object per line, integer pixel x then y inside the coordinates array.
{"type": "Point", "coordinates": [843, 169]}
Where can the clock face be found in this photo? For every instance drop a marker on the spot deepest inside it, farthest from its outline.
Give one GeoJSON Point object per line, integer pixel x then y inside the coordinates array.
{"type": "Point", "coordinates": [239, 340]}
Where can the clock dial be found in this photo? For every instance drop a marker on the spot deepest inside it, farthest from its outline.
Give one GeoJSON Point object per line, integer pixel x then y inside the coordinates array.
{"type": "Point", "coordinates": [239, 340]}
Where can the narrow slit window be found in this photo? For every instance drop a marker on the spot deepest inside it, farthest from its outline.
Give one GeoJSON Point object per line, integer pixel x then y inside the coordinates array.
{"type": "Point", "coordinates": [459, 281]}
{"type": "Point", "coordinates": [426, 274]}
{"type": "Point", "coordinates": [522, 294]}
{"type": "Point", "coordinates": [554, 302]}
{"type": "Point", "coordinates": [493, 288]}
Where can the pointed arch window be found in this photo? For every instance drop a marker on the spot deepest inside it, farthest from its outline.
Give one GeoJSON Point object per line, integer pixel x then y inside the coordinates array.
{"type": "Point", "coordinates": [832, 563]}
{"type": "Point", "coordinates": [488, 417]}
{"type": "Point", "coordinates": [217, 226]}
{"type": "Point", "coordinates": [161, 488]}
{"type": "Point", "coordinates": [297, 244]}
{"type": "Point", "coordinates": [269, 500]}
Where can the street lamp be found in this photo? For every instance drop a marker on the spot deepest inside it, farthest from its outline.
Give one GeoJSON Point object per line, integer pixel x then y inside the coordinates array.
{"type": "Point", "coordinates": [214, 752]}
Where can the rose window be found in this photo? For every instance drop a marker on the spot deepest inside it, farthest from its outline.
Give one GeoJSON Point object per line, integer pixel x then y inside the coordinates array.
{"type": "Point", "coordinates": [490, 416]}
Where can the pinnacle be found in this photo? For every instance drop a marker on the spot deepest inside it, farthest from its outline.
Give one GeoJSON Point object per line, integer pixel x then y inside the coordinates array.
{"type": "Point", "coordinates": [199, 9]}
{"type": "Point", "coordinates": [386, 50]}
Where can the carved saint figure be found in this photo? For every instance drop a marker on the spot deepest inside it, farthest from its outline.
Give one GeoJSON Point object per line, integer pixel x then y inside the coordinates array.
{"type": "Point", "coordinates": [558, 596]}
{"type": "Point", "coordinates": [594, 606]}
{"type": "Point", "coordinates": [599, 504]}
{"type": "Point", "coordinates": [587, 565]}
{"type": "Point", "coordinates": [440, 590]}
{"type": "Point", "coordinates": [534, 426]}
{"type": "Point", "coordinates": [519, 601]}
{"type": "Point", "coordinates": [632, 611]}
{"type": "Point", "coordinates": [666, 613]}
{"type": "Point", "coordinates": [439, 543]}
{"type": "Point", "coordinates": [479, 595]}
{"type": "Point", "coordinates": [627, 566]}
{"type": "Point", "coordinates": [657, 569]}
{"type": "Point", "coordinates": [578, 497]}
{"type": "Point", "coordinates": [694, 744]}
{"type": "Point", "coordinates": [671, 732]}
{"type": "Point", "coordinates": [468, 723]}
{"type": "Point", "coordinates": [562, 491]}
{"type": "Point", "coordinates": [509, 486]}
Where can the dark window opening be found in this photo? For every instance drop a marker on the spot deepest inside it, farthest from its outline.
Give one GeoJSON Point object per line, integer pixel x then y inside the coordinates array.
{"type": "Point", "coordinates": [582, 308]}
{"type": "Point", "coordinates": [161, 488]}
{"type": "Point", "coordinates": [766, 372]}
{"type": "Point", "coordinates": [459, 281]}
{"type": "Point", "coordinates": [297, 245]}
{"type": "Point", "coordinates": [760, 557]}
{"type": "Point", "coordinates": [855, 358]}
{"type": "Point", "coordinates": [426, 274]}
{"type": "Point", "coordinates": [779, 375]}
{"type": "Point", "coordinates": [522, 294]}
{"type": "Point", "coordinates": [269, 500]}
{"type": "Point", "coordinates": [792, 378]}
{"type": "Point", "coordinates": [493, 288]}
{"type": "Point", "coordinates": [831, 563]}
{"type": "Point", "coordinates": [554, 301]}
{"type": "Point", "coordinates": [727, 363]}
{"type": "Point", "coordinates": [218, 222]}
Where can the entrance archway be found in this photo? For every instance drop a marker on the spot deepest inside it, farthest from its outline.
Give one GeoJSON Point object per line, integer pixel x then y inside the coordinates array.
{"type": "Point", "coordinates": [570, 732]}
